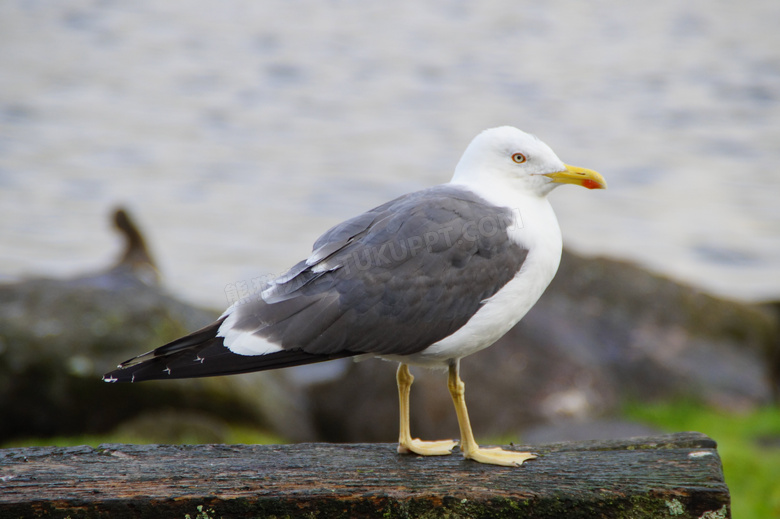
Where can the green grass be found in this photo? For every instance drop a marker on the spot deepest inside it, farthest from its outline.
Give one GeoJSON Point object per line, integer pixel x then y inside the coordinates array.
{"type": "Point", "coordinates": [748, 444]}
{"type": "Point", "coordinates": [235, 435]}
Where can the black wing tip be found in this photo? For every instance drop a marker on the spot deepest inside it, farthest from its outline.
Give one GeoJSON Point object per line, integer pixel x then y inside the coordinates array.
{"type": "Point", "coordinates": [137, 368]}
{"type": "Point", "coordinates": [124, 371]}
{"type": "Point", "coordinates": [227, 363]}
{"type": "Point", "coordinates": [117, 376]}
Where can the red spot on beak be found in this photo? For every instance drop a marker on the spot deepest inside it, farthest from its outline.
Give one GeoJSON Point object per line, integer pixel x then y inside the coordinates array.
{"type": "Point", "coordinates": [591, 184]}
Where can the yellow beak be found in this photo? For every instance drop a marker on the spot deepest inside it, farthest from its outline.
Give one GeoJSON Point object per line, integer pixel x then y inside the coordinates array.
{"type": "Point", "coordinates": [580, 176]}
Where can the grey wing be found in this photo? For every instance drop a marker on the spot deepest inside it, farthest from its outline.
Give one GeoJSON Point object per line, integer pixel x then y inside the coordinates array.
{"type": "Point", "coordinates": [393, 280]}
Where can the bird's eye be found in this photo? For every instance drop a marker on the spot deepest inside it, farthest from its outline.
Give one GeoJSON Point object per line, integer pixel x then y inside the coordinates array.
{"type": "Point", "coordinates": [519, 158]}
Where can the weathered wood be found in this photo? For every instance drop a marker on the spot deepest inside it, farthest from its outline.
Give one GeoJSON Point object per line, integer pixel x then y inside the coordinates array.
{"type": "Point", "coordinates": [676, 475]}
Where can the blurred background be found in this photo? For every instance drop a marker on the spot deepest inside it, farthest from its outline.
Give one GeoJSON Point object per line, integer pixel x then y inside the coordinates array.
{"type": "Point", "coordinates": [240, 131]}
{"type": "Point", "coordinates": [237, 132]}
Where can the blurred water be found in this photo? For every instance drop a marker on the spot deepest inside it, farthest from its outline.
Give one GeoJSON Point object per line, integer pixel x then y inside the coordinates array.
{"type": "Point", "coordinates": [238, 131]}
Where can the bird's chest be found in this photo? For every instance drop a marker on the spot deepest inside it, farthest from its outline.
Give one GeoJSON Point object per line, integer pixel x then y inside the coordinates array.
{"type": "Point", "coordinates": [539, 232]}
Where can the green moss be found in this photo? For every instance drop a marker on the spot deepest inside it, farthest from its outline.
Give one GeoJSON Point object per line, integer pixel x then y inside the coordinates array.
{"type": "Point", "coordinates": [675, 507]}
{"type": "Point", "coordinates": [717, 514]}
{"type": "Point", "coordinates": [202, 513]}
{"type": "Point", "coordinates": [553, 508]}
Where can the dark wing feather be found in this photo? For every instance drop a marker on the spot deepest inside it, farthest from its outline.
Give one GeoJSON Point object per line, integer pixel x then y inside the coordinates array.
{"type": "Point", "coordinates": [393, 280]}
{"type": "Point", "coordinates": [203, 354]}
{"type": "Point", "coordinates": [404, 276]}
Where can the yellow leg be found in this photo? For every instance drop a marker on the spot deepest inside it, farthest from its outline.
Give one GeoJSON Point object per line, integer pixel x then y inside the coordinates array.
{"type": "Point", "coordinates": [405, 442]}
{"type": "Point", "coordinates": [468, 445]}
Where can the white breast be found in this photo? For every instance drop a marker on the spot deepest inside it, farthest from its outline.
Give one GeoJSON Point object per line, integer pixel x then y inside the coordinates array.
{"type": "Point", "coordinates": [536, 229]}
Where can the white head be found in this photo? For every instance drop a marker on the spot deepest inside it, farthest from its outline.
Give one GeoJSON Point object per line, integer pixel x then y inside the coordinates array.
{"type": "Point", "coordinates": [506, 154]}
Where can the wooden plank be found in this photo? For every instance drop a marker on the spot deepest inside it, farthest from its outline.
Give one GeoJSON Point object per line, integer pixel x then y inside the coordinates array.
{"type": "Point", "coordinates": [678, 475]}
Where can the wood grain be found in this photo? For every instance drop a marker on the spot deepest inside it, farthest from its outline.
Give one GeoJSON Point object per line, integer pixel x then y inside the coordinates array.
{"type": "Point", "coordinates": [678, 475]}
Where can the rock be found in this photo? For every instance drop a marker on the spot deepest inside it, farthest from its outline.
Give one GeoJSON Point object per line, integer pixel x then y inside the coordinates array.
{"type": "Point", "coordinates": [577, 430]}
{"type": "Point", "coordinates": [172, 426]}
{"type": "Point", "coordinates": [604, 332]}
{"type": "Point", "coordinates": [773, 352]}
{"type": "Point", "coordinates": [57, 338]}
{"type": "Point", "coordinates": [661, 339]}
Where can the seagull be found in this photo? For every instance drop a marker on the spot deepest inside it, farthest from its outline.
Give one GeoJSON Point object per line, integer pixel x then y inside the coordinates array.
{"type": "Point", "coordinates": [424, 280]}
